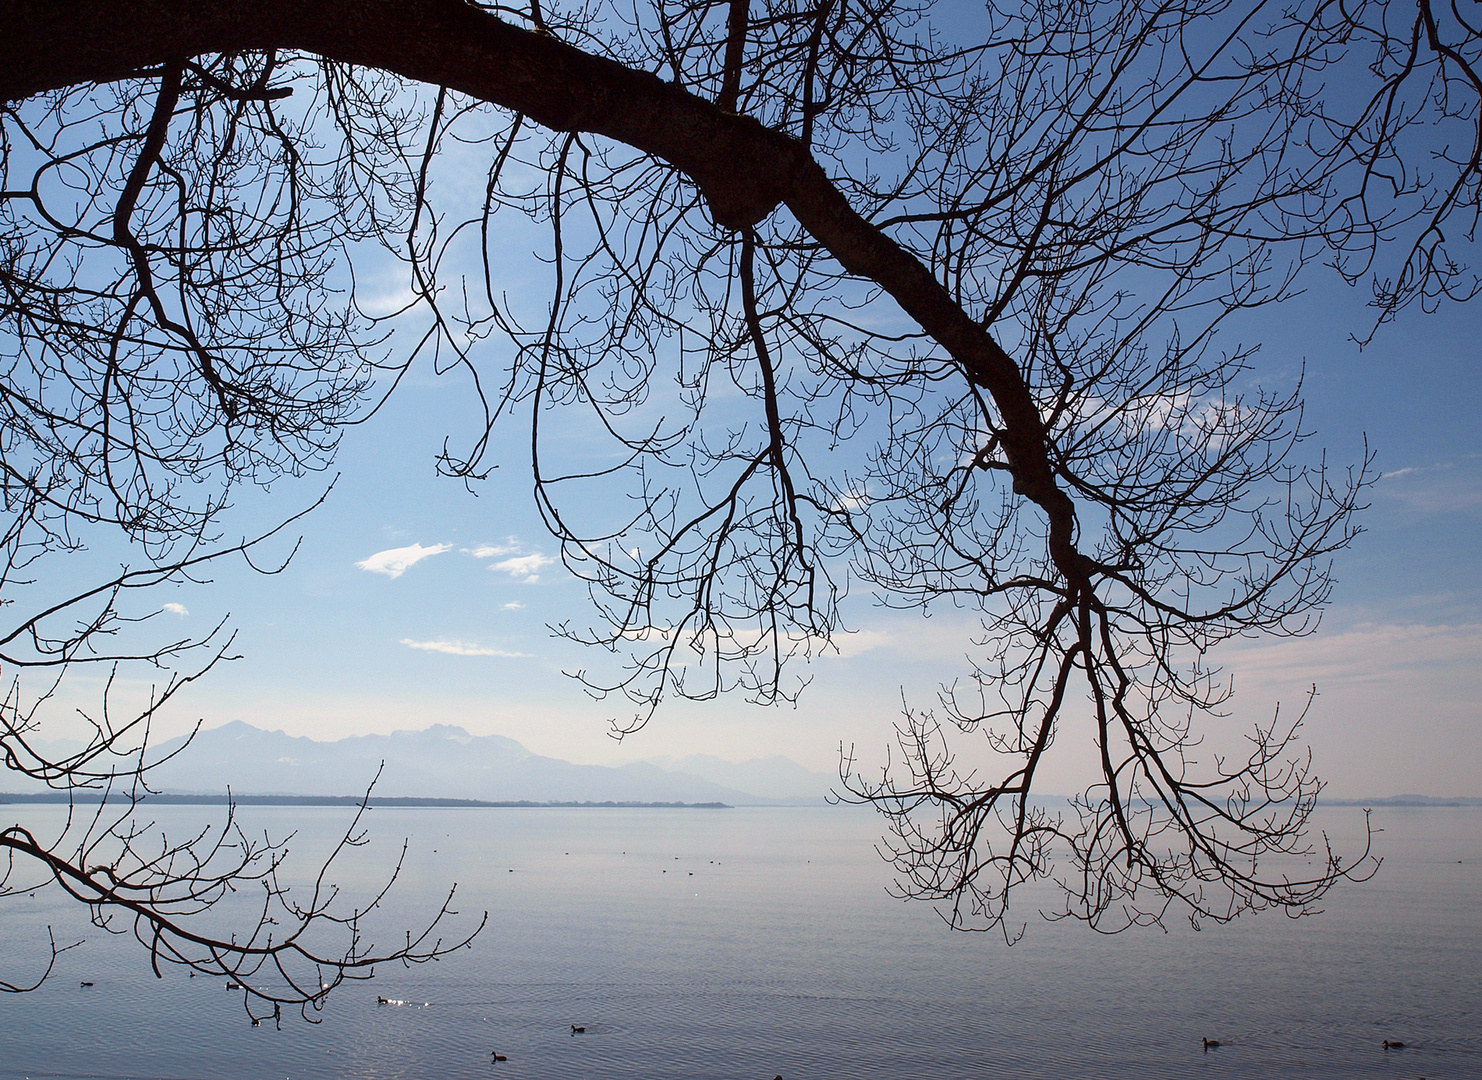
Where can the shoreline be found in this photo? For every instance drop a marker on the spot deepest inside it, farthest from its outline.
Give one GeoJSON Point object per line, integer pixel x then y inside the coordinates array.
{"type": "Point", "coordinates": [167, 799]}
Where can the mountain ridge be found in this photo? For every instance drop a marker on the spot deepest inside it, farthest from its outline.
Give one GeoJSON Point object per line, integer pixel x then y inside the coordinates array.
{"type": "Point", "coordinates": [444, 761]}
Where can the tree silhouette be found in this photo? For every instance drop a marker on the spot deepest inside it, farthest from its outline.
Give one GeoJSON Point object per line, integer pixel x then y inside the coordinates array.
{"type": "Point", "coordinates": [853, 289]}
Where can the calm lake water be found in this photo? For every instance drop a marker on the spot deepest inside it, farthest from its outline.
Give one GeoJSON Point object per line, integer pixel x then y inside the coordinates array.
{"type": "Point", "coordinates": [753, 942]}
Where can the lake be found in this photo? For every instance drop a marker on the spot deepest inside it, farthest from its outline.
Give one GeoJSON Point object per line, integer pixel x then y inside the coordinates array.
{"type": "Point", "coordinates": [754, 942]}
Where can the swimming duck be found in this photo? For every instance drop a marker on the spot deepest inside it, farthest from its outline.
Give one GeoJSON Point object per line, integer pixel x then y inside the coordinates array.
{"type": "Point", "coordinates": [1393, 1045]}
{"type": "Point", "coordinates": [577, 1029]}
{"type": "Point", "coordinates": [1210, 1044]}
{"type": "Point", "coordinates": [497, 1056]}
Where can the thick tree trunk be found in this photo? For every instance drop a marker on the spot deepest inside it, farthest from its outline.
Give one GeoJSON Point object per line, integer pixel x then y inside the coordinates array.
{"type": "Point", "coordinates": [744, 169]}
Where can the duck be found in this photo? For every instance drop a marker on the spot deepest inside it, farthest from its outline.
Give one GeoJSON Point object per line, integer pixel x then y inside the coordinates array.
{"type": "Point", "coordinates": [87, 984]}
{"type": "Point", "coordinates": [381, 1001]}
{"type": "Point", "coordinates": [233, 986]}
{"type": "Point", "coordinates": [1389, 1045]}
{"type": "Point", "coordinates": [497, 1056]}
{"type": "Point", "coordinates": [577, 1029]}
{"type": "Point", "coordinates": [1210, 1044]}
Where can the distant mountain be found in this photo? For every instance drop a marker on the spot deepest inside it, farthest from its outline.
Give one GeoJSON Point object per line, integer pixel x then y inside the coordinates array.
{"type": "Point", "coordinates": [1404, 800]}
{"type": "Point", "coordinates": [439, 762]}
{"type": "Point", "coordinates": [445, 762]}
{"type": "Point", "coordinates": [773, 777]}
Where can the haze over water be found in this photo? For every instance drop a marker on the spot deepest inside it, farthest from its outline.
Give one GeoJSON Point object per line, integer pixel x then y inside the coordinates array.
{"type": "Point", "coordinates": [754, 942]}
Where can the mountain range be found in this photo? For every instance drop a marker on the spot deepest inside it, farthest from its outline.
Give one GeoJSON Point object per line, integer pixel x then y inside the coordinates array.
{"type": "Point", "coordinates": [446, 762]}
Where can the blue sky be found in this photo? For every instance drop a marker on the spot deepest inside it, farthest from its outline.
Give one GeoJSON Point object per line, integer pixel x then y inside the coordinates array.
{"type": "Point", "coordinates": [412, 602]}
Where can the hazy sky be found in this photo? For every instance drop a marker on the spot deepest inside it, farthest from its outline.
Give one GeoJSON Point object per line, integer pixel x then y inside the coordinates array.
{"type": "Point", "coordinates": [411, 602]}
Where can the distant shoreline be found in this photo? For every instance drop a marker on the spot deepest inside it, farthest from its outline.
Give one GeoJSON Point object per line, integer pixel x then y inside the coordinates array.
{"type": "Point", "coordinates": [1402, 801]}
{"type": "Point", "coordinates": [163, 799]}
{"type": "Point", "coordinates": [178, 799]}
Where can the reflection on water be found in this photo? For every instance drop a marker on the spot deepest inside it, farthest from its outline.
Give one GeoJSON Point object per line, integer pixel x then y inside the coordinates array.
{"type": "Point", "coordinates": [755, 942]}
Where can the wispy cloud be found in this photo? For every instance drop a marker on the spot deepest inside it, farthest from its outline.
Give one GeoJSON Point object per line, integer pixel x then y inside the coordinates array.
{"type": "Point", "coordinates": [493, 551]}
{"type": "Point", "coordinates": [853, 499]}
{"type": "Point", "coordinates": [461, 648]}
{"type": "Point", "coordinates": [1439, 488]}
{"type": "Point", "coordinates": [521, 564]}
{"type": "Point", "coordinates": [514, 605]}
{"type": "Point", "coordinates": [855, 642]}
{"type": "Point", "coordinates": [841, 645]}
{"type": "Point", "coordinates": [1409, 470]}
{"type": "Point", "coordinates": [177, 609]}
{"type": "Point", "coordinates": [1465, 461]}
{"type": "Point", "coordinates": [395, 561]}
{"type": "Point", "coordinates": [389, 302]}
{"type": "Point", "coordinates": [525, 567]}
{"type": "Point", "coordinates": [1362, 654]}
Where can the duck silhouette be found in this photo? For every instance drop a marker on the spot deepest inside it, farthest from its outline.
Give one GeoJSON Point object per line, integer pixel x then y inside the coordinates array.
{"type": "Point", "coordinates": [1388, 1045]}
{"type": "Point", "coordinates": [577, 1029]}
{"type": "Point", "coordinates": [1211, 1044]}
{"type": "Point", "coordinates": [497, 1056]}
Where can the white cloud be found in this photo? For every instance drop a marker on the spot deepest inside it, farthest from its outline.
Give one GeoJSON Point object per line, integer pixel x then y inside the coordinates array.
{"type": "Point", "coordinates": [394, 562]}
{"type": "Point", "coordinates": [460, 648]}
{"type": "Point", "coordinates": [513, 605]}
{"type": "Point", "coordinates": [177, 609]}
{"type": "Point", "coordinates": [525, 567]}
{"type": "Point", "coordinates": [492, 551]}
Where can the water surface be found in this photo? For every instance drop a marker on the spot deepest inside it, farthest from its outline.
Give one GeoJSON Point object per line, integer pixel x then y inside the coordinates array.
{"type": "Point", "coordinates": [752, 942]}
